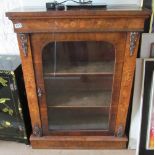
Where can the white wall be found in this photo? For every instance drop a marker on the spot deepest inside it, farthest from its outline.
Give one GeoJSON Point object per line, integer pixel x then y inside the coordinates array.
{"type": "Point", "coordinates": [8, 41]}
{"type": "Point", "coordinates": [42, 2]}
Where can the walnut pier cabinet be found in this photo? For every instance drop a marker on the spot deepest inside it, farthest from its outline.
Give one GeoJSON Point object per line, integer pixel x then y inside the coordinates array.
{"type": "Point", "coordinates": [78, 69]}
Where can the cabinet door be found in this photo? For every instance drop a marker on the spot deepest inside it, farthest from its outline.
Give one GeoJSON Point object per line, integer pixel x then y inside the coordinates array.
{"type": "Point", "coordinates": [78, 78]}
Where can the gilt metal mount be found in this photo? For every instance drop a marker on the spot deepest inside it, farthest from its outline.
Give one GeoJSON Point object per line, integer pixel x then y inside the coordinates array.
{"type": "Point", "coordinates": [37, 131]}
{"type": "Point", "coordinates": [39, 92]}
{"type": "Point", "coordinates": [120, 131]}
{"type": "Point", "coordinates": [133, 39]}
{"type": "Point", "coordinates": [24, 43]}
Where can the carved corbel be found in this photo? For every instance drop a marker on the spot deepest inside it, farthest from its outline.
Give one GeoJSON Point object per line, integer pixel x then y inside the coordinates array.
{"type": "Point", "coordinates": [120, 131]}
{"type": "Point", "coordinates": [24, 43]}
{"type": "Point", "coordinates": [133, 39]}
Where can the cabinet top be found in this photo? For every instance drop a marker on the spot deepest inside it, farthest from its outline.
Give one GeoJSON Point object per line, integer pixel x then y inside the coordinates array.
{"type": "Point", "coordinates": [114, 18]}
{"type": "Point", "coordinates": [110, 11]}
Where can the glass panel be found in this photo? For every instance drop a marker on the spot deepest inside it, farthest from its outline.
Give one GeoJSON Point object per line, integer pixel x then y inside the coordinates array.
{"type": "Point", "coordinates": [78, 119]}
{"type": "Point", "coordinates": [78, 57]}
{"type": "Point", "coordinates": [81, 90]}
{"type": "Point", "coordinates": [78, 80]}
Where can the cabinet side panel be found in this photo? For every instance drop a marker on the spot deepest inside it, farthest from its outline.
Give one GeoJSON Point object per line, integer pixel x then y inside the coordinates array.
{"type": "Point", "coordinates": [29, 78]}
{"type": "Point", "coordinates": [126, 83]}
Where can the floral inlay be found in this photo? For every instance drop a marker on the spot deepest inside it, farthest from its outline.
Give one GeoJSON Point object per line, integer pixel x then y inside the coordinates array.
{"type": "Point", "coordinates": [3, 82]}
{"type": "Point", "coordinates": [6, 109]}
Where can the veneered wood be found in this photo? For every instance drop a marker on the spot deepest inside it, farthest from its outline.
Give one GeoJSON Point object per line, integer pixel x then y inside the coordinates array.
{"type": "Point", "coordinates": [113, 11]}
{"type": "Point", "coordinates": [33, 20]}
{"type": "Point", "coordinates": [126, 83]}
{"type": "Point", "coordinates": [79, 142]}
{"type": "Point", "coordinates": [30, 84]}
{"type": "Point", "coordinates": [112, 25]}
{"type": "Point", "coordinates": [80, 25]}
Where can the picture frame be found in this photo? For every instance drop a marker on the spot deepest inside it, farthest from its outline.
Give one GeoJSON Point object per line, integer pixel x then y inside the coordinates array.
{"type": "Point", "coordinates": [152, 50]}
{"type": "Point", "coordinates": [150, 128]}
{"type": "Point", "coordinates": [147, 82]}
{"type": "Point", "coordinates": [136, 105]}
{"type": "Point", "coordinates": [146, 49]}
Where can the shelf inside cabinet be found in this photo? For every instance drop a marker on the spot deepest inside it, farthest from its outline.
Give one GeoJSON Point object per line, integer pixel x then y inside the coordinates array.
{"type": "Point", "coordinates": [79, 82]}
{"type": "Point", "coordinates": [73, 98]}
{"type": "Point", "coordinates": [105, 67]}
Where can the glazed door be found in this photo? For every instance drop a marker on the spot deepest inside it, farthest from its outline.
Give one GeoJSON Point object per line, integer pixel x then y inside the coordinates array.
{"type": "Point", "coordinates": [78, 78]}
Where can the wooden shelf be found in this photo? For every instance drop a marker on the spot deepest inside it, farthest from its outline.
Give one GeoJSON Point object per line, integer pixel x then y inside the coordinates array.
{"type": "Point", "coordinates": [106, 67]}
{"type": "Point", "coordinates": [56, 75]}
{"type": "Point", "coordinates": [74, 98]}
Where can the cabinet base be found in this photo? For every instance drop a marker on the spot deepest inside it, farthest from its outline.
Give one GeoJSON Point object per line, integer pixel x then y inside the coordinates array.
{"type": "Point", "coordinates": [78, 142]}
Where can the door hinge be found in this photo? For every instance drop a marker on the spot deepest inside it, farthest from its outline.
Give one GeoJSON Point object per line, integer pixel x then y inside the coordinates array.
{"type": "Point", "coordinates": [39, 92]}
